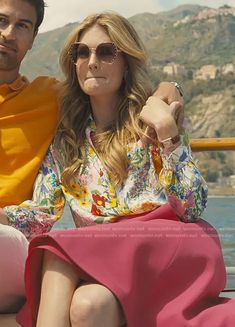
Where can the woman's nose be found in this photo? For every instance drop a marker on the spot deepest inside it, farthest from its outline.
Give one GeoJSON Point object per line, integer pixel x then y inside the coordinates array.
{"type": "Point", "coordinates": [93, 62]}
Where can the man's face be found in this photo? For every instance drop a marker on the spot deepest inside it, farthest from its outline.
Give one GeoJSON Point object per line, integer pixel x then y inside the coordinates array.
{"type": "Point", "coordinates": [17, 24]}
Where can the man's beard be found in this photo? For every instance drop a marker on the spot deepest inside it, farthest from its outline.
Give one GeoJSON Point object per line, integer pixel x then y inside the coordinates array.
{"type": "Point", "coordinates": [7, 62]}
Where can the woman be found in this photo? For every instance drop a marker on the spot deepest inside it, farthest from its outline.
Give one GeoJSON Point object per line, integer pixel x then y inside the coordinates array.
{"type": "Point", "coordinates": [147, 268]}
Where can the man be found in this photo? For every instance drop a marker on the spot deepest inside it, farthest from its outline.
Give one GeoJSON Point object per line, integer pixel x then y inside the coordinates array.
{"type": "Point", "coordinates": [28, 116]}
{"type": "Point", "coordinates": [28, 119]}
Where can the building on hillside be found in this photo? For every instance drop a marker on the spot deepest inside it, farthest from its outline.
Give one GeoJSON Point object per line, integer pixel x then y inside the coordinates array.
{"type": "Point", "coordinates": [232, 180]}
{"type": "Point", "coordinates": [228, 181]}
{"type": "Point", "coordinates": [185, 20]}
{"type": "Point", "coordinates": [209, 14]}
{"type": "Point", "coordinates": [228, 69]}
{"type": "Point", "coordinates": [206, 72]}
{"type": "Point", "coordinates": [212, 12]}
{"type": "Point", "coordinates": [174, 69]}
{"type": "Point", "coordinates": [155, 68]}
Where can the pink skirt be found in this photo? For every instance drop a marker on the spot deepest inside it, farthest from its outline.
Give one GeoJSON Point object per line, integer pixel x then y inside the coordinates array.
{"type": "Point", "coordinates": [164, 272]}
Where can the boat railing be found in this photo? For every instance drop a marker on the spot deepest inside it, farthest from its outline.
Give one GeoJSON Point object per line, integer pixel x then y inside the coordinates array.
{"type": "Point", "coordinates": [215, 144]}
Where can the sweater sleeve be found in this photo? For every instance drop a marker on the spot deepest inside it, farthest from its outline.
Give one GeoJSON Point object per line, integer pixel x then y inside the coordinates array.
{"type": "Point", "coordinates": [37, 216]}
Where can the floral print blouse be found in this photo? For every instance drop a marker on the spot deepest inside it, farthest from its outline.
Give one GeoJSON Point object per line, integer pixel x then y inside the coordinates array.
{"type": "Point", "coordinates": [154, 178]}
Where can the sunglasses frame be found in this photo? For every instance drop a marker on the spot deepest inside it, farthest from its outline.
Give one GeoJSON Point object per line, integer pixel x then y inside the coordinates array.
{"type": "Point", "coordinates": [93, 50]}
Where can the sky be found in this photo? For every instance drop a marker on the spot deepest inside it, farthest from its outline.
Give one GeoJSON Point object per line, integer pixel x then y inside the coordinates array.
{"type": "Point", "coordinates": [61, 12]}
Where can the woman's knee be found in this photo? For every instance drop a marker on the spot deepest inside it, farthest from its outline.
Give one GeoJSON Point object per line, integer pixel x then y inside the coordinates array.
{"type": "Point", "coordinates": [94, 304]}
{"type": "Point", "coordinates": [200, 249]}
{"type": "Point", "coordinates": [82, 310]}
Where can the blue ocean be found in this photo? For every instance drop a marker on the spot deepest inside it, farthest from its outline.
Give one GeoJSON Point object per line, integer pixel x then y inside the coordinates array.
{"type": "Point", "coordinates": [220, 213]}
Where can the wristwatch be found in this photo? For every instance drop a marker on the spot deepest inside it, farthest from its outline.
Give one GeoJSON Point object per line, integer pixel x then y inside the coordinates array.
{"type": "Point", "coordinates": [179, 88]}
{"type": "Point", "coordinates": [170, 141]}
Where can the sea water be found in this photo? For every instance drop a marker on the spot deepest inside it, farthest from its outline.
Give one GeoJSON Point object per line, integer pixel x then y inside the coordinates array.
{"type": "Point", "coordinates": [220, 213]}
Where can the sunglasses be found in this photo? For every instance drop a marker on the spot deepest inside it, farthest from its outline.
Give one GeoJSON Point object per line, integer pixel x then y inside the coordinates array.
{"type": "Point", "coordinates": [105, 52]}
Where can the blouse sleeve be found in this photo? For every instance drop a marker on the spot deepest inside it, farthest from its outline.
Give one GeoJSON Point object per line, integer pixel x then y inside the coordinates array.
{"type": "Point", "coordinates": [184, 185]}
{"type": "Point", "coordinates": [36, 216]}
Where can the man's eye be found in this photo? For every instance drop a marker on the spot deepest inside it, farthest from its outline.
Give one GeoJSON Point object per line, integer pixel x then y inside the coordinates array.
{"type": "Point", "coordinates": [3, 21]}
{"type": "Point", "coordinates": [23, 26]}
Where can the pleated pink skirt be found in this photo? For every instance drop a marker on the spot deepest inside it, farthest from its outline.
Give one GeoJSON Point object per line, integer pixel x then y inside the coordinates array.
{"type": "Point", "coordinates": [164, 272]}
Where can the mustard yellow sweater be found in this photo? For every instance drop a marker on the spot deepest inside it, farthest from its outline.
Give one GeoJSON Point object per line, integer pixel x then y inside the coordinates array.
{"type": "Point", "coordinates": [28, 119]}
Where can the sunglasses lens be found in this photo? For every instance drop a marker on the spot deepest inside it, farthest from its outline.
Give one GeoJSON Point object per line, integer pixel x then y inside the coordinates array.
{"type": "Point", "coordinates": [106, 52]}
{"type": "Point", "coordinates": [83, 51]}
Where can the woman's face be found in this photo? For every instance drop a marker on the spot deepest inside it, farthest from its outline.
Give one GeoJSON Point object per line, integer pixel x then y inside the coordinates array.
{"type": "Point", "coordinates": [96, 76]}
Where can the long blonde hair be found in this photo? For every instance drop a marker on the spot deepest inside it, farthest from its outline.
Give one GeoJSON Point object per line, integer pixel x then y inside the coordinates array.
{"type": "Point", "coordinates": [111, 144]}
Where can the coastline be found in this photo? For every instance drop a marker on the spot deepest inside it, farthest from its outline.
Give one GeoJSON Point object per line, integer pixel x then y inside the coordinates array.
{"type": "Point", "coordinates": [220, 196]}
{"type": "Point", "coordinates": [221, 191]}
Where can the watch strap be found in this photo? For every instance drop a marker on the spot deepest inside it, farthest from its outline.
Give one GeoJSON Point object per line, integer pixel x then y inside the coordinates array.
{"type": "Point", "coordinates": [179, 88]}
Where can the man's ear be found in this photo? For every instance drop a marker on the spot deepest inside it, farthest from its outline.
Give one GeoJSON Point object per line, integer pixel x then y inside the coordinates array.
{"type": "Point", "coordinates": [34, 35]}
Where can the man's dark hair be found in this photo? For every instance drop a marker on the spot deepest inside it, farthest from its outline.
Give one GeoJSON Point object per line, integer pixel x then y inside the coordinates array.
{"type": "Point", "coordinates": [39, 6]}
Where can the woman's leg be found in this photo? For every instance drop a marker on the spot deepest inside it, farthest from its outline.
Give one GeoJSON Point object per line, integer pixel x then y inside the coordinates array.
{"type": "Point", "coordinates": [95, 305]}
{"type": "Point", "coordinates": [59, 281]}
{"type": "Point", "coordinates": [8, 320]}
{"type": "Point", "coordinates": [13, 254]}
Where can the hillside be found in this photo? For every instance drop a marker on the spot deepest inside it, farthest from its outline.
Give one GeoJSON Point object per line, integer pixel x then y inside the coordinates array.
{"type": "Point", "coordinates": [214, 116]}
{"type": "Point", "coordinates": [196, 40]}
{"type": "Point", "coordinates": [188, 35]}
{"type": "Point", "coordinates": [43, 57]}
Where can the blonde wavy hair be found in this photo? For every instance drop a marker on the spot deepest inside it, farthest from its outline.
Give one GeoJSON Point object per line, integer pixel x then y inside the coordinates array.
{"type": "Point", "coordinates": [111, 144]}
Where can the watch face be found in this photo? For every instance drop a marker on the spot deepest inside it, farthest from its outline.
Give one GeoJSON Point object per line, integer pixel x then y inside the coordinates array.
{"type": "Point", "coordinates": [179, 88]}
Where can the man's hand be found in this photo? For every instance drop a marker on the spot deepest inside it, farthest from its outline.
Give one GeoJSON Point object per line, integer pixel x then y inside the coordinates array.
{"type": "Point", "coordinates": [3, 218]}
{"type": "Point", "coordinates": [167, 92]}
{"type": "Point", "coordinates": [160, 117]}
{"type": "Point", "coordinates": [157, 115]}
